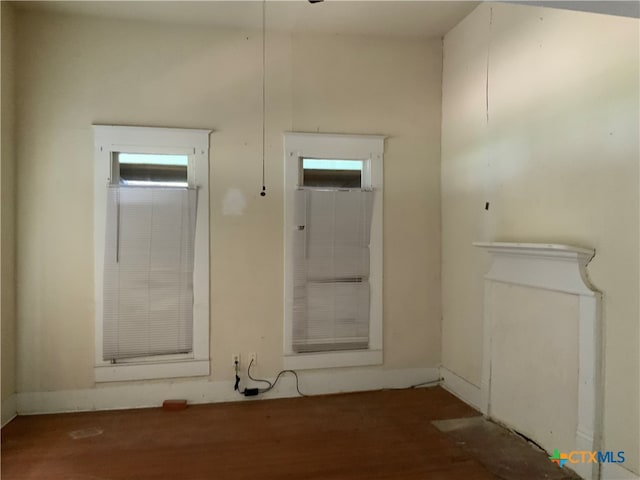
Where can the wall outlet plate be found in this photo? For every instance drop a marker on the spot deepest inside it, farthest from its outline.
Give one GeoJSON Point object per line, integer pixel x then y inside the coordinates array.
{"type": "Point", "coordinates": [253, 357]}
{"type": "Point", "coordinates": [235, 358]}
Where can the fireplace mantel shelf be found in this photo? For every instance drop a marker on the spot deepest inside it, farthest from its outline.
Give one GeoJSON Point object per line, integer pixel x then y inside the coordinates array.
{"type": "Point", "coordinates": [543, 265]}
{"type": "Point", "coordinates": [540, 249]}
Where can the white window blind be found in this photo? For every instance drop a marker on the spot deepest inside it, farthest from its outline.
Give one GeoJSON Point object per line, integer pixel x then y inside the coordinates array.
{"type": "Point", "coordinates": [148, 271]}
{"type": "Point", "coordinates": [331, 270]}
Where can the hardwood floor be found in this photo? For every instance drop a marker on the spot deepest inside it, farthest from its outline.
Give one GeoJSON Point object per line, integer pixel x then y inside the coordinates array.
{"type": "Point", "coordinates": [368, 436]}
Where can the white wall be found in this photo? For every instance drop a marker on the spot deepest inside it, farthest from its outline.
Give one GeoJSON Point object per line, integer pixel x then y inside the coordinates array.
{"type": "Point", "coordinates": [524, 391]}
{"type": "Point", "coordinates": [75, 71]}
{"type": "Point", "coordinates": [541, 119]}
{"type": "Point", "coordinates": [7, 216]}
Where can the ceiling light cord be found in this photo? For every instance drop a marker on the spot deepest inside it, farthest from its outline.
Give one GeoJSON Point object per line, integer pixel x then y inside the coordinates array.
{"type": "Point", "coordinates": [264, 8]}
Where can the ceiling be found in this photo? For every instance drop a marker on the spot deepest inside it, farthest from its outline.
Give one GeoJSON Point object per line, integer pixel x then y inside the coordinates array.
{"type": "Point", "coordinates": [364, 17]}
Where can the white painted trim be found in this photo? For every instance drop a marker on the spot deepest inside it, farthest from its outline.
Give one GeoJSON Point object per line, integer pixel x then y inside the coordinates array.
{"type": "Point", "coordinates": [9, 409]}
{"type": "Point", "coordinates": [546, 266]}
{"type": "Point", "coordinates": [461, 388]}
{"type": "Point", "coordinates": [560, 268]}
{"type": "Point", "coordinates": [333, 145]}
{"type": "Point", "coordinates": [151, 394]}
{"type": "Point", "coordinates": [108, 139]}
{"type": "Point", "coordinates": [584, 442]}
{"type": "Point", "coordinates": [151, 136]}
{"type": "Point", "coordinates": [124, 372]}
{"type": "Point", "coordinates": [485, 377]}
{"type": "Point", "coordinates": [612, 471]}
{"type": "Point", "coordinates": [304, 361]}
{"type": "Point", "coordinates": [369, 148]}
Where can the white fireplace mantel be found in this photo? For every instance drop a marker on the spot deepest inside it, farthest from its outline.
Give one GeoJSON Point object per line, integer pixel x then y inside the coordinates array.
{"type": "Point", "coordinates": [550, 266]}
{"type": "Point", "coordinates": [557, 268]}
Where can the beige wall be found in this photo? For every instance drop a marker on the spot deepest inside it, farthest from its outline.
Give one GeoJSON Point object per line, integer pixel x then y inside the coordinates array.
{"type": "Point", "coordinates": [76, 71]}
{"type": "Point", "coordinates": [556, 154]}
{"type": "Point", "coordinates": [390, 87]}
{"type": "Point", "coordinates": [7, 208]}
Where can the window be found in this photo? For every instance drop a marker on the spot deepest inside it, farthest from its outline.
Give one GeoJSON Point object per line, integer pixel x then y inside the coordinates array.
{"type": "Point", "coordinates": [333, 250]}
{"type": "Point", "coordinates": [151, 234]}
{"type": "Point", "coordinates": [143, 169]}
{"type": "Point", "coordinates": [334, 173]}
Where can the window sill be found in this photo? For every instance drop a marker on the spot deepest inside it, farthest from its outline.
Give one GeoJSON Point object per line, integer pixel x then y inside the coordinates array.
{"type": "Point", "coordinates": [356, 358]}
{"type": "Point", "coordinates": [150, 371]}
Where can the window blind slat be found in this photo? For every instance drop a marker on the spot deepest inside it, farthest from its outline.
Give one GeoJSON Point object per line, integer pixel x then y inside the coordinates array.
{"type": "Point", "coordinates": [149, 253]}
{"type": "Point", "coordinates": [337, 317]}
{"type": "Point", "coordinates": [338, 233]}
{"type": "Point", "coordinates": [331, 269]}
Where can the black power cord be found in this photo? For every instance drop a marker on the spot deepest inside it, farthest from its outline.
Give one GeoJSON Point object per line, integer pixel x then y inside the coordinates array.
{"type": "Point", "coordinates": [235, 387]}
{"type": "Point", "coordinates": [257, 379]}
{"type": "Point", "coordinates": [271, 386]}
{"type": "Point", "coordinates": [247, 392]}
{"type": "Point", "coordinates": [431, 383]}
{"type": "Point", "coordinates": [252, 392]}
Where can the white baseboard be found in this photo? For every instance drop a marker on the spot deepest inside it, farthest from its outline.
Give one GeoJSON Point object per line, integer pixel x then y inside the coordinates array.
{"type": "Point", "coordinates": [9, 409]}
{"type": "Point", "coordinates": [611, 471]}
{"type": "Point", "coordinates": [152, 394]}
{"type": "Point", "coordinates": [461, 388]}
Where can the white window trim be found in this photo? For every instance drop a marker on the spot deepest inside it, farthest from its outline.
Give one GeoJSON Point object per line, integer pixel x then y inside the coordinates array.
{"type": "Point", "coordinates": [370, 149]}
{"type": "Point", "coordinates": [195, 143]}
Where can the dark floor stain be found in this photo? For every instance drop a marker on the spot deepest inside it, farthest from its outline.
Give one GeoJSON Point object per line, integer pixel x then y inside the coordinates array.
{"type": "Point", "coordinates": [502, 452]}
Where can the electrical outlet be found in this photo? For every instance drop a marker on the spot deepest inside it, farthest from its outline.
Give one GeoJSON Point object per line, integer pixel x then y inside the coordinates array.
{"type": "Point", "coordinates": [253, 357]}
{"type": "Point", "coordinates": [235, 360]}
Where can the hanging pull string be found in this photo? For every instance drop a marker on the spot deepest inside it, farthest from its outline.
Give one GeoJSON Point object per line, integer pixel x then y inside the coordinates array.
{"type": "Point", "coordinates": [264, 11]}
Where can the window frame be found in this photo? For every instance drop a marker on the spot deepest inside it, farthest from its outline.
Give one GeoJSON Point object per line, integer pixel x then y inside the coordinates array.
{"type": "Point", "coordinates": [370, 150]}
{"type": "Point", "coordinates": [109, 139]}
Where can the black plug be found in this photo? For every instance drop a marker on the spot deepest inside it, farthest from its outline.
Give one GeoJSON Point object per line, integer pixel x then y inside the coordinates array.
{"type": "Point", "coordinates": [251, 392]}
{"type": "Point", "coordinates": [235, 387]}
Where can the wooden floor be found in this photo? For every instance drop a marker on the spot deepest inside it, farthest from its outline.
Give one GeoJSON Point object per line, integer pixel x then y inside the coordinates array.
{"type": "Point", "coordinates": [368, 436]}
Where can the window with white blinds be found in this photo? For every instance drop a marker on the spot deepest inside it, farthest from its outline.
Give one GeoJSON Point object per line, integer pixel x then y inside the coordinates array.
{"type": "Point", "coordinates": [333, 250]}
{"type": "Point", "coordinates": [331, 280]}
{"type": "Point", "coordinates": [151, 236]}
{"type": "Point", "coordinates": [148, 271]}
